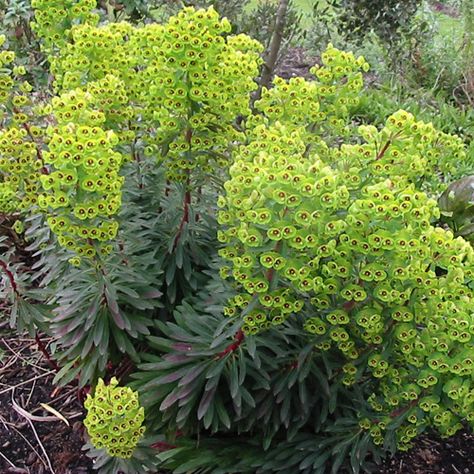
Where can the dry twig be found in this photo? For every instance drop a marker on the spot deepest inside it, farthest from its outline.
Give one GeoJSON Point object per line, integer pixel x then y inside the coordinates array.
{"type": "Point", "coordinates": [9, 389]}
{"type": "Point", "coordinates": [17, 469]}
{"type": "Point", "coordinates": [28, 417]}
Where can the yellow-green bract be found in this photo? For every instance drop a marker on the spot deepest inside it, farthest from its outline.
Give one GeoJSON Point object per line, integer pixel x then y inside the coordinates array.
{"type": "Point", "coordinates": [114, 418]}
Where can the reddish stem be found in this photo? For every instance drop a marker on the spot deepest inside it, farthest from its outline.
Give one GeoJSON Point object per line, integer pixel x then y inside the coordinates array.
{"type": "Point", "coordinates": [349, 305]}
{"type": "Point", "coordinates": [39, 153]}
{"type": "Point", "coordinates": [136, 157]}
{"type": "Point", "coordinates": [10, 277]}
{"type": "Point", "coordinates": [402, 410]}
{"type": "Point", "coordinates": [122, 251]}
{"type": "Point", "coordinates": [271, 271]}
{"type": "Point", "coordinates": [185, 218]}
{"type": "Point", "coordinates": [83, 392]}
{"type": "Point", "coordinates": [125, 367]}
{"type": "Point", "coordinates": [162, 446]}
{"type": "Point", "coordinates": [199, 194]}
{"type": "Point", "coordinates": [383, 150]}
{"type": "Point", "coordinates": [41, 347]}
{"type": "Point", "coordinates": [232, 347]}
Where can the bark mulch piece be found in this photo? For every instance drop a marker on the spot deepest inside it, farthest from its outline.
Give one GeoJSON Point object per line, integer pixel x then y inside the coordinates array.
{"type": "Point", "coordinates": [25, 383]}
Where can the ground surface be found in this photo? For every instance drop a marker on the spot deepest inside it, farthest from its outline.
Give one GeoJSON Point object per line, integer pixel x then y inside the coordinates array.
{"type": "Point", "coordinates": [29, 445]}
{"type": "Point", "coordinates": [33, 440]}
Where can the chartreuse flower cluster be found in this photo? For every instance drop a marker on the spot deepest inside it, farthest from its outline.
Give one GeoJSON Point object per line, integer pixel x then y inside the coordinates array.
{"type": "Point", "coordinates": [87, 57]}
{"type": "Point", "coordinates": [357, 256]}
{"type": "Point", "coordinates": [405, 147]}
{"type": "Point", "coordinates": [54, 19]}
{"type": "Point", "coordinates": [200, 82]}
{"type": "Point", "coordinates": [13, 92]}
{"type": "Point", "coordinates": [19, 171]}
{"type": "Point", "coordinates": [20, 160]}
{"type": "Point", "coordinates": [408, 148]}
{"type": "Point", "coordinates": [186, 81]}
{"type": "Point", "coordinates": [114, 419]}
{"type": "Point", "coordinates": [110, 96]}
{"type": "Point", "coordinates": [321, 105]}
{"type": "Point", "coordinates": [83, 189]}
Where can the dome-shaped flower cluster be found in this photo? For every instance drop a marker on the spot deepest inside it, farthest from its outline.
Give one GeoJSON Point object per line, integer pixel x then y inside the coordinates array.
{"type": "Point", "coordinates": [83, 189]}
{"type": "Point", "coordinates": [87, 58]}
{"type": "Point", "coordinates": [19, 171]}
{"type": "Point", "coordinates": [114, 419]}
{"type": "Point", "coordinates": [54, 19]}
{"type": "Point", "coordinates": [7, 82]}
{"type": "Point", "coordinates": [20, 160]}
{"type": "Point", "coordinates": [186, 80]}
{"type": "Point", "coordinates": [110, 96]}
{"type": "Point", "coordinates": [339, 82]}
{"type": "Point", "coordinates": [355, 254]}
{"type": "Point", "coordinates": [321, 105]}
{"type": "Point", "coordinates": [409, 148]}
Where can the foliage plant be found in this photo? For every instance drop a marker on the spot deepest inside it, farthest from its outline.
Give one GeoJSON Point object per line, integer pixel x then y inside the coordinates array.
{"type": "Point", "coordinates": [358, 18]}
{"type": "Point", "coordinates": [269, 285]}
{"type": "Point", "coordinates": [14, 22]}
{"type": "Point", "coordinates": [457, 207]}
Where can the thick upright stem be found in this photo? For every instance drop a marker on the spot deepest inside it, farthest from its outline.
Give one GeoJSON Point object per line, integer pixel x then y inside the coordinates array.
{"type": "Point", "coordinates": [184, 219]}
{"type": "Point", "coordinates": [271, 55]}
{"type": "Point", "coordinates": [10, 277]}
{"type": "Point", "coordinates": [187, 197]}
{"type": "Point", "coordinates": [238, 339]}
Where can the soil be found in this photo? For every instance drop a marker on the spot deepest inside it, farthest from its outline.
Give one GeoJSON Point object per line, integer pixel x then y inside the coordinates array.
{"type": "Point", "coordinates": [433, 455]}
{"type": "Point", "coordinates": [25, 383]}
{"type": "Point", "coordinates": [296, 62]}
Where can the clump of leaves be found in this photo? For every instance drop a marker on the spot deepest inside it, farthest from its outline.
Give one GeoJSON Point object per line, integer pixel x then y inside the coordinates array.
{"type": "Point", "coordinates": [457, 207]}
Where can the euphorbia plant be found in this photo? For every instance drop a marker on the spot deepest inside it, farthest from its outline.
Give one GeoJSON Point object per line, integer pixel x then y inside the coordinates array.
{"type": "Point", "coordinates": [275, 279]}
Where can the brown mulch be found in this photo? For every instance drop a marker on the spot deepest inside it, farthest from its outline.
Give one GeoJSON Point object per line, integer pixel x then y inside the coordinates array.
{"type": "Point", "coordinates": [433, 455]}
{"type": "Point", "coordinates": [27, 444]}
{"type": "Point", "coordinates": [296, 62]}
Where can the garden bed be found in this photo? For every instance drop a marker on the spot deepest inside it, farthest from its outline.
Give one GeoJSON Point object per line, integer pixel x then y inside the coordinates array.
{"type": "Point", "coordinates": [26, 379]}
{"type": "Point", "coordinates": [27, 443]}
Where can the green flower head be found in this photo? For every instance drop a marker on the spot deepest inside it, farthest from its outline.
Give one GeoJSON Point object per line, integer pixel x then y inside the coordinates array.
{"type": "Point", "coordinates": [114, 419]}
